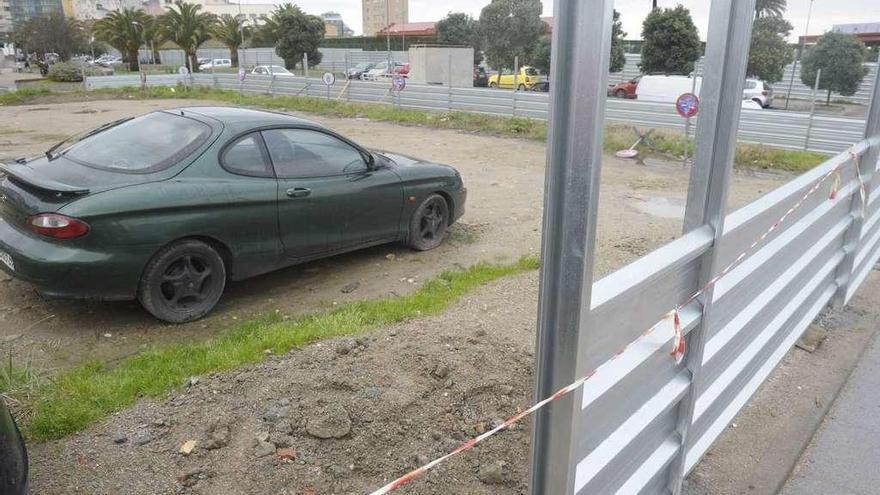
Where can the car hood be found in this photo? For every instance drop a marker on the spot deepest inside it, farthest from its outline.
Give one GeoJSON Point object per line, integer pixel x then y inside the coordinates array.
{"type": "Point", "coordinates": [402, 160]}
{"type": "Point", "coordinates": [410, 163]}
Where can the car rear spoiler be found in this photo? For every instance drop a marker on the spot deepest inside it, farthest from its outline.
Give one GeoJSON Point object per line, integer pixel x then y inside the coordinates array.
{"type": "Point", "coordinates": [25, 174]}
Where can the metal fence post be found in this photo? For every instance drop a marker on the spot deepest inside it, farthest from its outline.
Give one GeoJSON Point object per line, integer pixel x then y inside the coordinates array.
{"type": "Point", "coordinates": [812, 109]}
{"type": "Point", "coordinates": [449, 78]}
{"type": "Point", "coordinates": [515, 81]}
{"type": "Point", "coordinates": [306, 71]}
{"type": "Point", "coordinates": [730, 28]}
{"type": "Point", "coordinates": [868, 169]}
{"type": "Point", "coordinates": [581, 53]}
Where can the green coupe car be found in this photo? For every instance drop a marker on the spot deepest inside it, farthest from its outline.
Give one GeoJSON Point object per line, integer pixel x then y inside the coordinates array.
{"type": "Point", "coordinates": [169, 206]}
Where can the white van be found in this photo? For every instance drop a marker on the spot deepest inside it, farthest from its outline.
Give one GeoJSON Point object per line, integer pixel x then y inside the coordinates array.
{"type": "Point", "coordinates": [665, 89]}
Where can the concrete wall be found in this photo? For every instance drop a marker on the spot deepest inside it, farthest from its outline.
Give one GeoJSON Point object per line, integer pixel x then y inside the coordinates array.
{"type": "Point", "coordinates": [442, 65]}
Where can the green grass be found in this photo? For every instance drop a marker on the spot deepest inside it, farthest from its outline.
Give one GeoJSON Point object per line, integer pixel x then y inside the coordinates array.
{"type": "Point", "coordinates": [665, 143]}
{"type": "Point", "coordinates": [22, 96]}
{"type": "Point", "coordinates": [88, 393]}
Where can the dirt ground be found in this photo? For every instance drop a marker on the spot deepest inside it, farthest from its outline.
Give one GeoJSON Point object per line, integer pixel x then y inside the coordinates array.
{"type": "Point", "coordinates": [358, 412]}
{"type": "Point", "coordinates": [640, 208]}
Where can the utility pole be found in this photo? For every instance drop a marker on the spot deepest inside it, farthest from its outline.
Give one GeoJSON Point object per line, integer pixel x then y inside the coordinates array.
{"type": "Point", "coordinates": [799, 54]}
{"type": "Point", "coordinates": [388, 31]}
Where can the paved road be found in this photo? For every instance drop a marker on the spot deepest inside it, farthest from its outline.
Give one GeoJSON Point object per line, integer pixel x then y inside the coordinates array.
{"type": "Point", "coordinates": [844, 456]}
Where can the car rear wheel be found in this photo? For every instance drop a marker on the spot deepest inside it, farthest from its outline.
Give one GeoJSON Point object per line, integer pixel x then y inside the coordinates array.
{"type": "Point", "coordinates": [521, 87]}
{"type": "Point", "coordinates": [183, 281]}
{"type": "Point", "coordinates": [493, 85]}
{"type": "Point", "coordinates": [429, 223]}
{"type": "Point", "coordinates": [620, 93]}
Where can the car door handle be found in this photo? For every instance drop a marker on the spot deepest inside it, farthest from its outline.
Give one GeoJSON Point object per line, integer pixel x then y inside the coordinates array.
{"type": "Point", "coordinates": [298, 192]}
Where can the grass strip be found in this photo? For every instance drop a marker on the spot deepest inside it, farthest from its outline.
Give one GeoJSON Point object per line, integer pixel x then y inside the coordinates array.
{"type": "Point", "coordinates": [79, 397]}
{"type": "Point", "coordinates": [617, 137]}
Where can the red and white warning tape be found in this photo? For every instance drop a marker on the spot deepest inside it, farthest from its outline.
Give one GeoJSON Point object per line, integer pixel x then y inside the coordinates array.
{"type": "Point", "coordinates": [678, 341]}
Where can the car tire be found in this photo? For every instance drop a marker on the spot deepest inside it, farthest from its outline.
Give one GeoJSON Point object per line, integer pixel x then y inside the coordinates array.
{"type": "Point", "coordinates": [759, 102]}
{"type": "Point", "coordinates": [183, 281]}
{"type": "Point", "coordinates": [493, 85]}
{"type": "Point", "coordinates": [428, 224]}
{"type": "Point", "coordinates": [521, 87]}
{"type": "Point", "coordinates": [620, 93]}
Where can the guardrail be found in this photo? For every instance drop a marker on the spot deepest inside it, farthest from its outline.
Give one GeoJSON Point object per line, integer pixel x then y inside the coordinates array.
{"type": "Point", "coordinates": [774, 128]}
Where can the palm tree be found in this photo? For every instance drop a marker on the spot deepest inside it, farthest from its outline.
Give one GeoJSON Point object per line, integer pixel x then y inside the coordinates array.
{"type": "Point", "coordinates": [229, 30]}
{"type": "Point", "coordinates": [766, 8]}
{"type": "Point", "coordinates": [124, 30]}
{"type": "Point", "coordinates": [188, 28]}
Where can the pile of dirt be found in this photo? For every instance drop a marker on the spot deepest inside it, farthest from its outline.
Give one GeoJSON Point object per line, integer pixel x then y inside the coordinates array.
{"type": "Point", "coordinates": [340, 416]}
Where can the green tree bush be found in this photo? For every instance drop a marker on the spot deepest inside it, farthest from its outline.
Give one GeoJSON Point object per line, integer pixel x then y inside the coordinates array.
{"type": "Point", "coordinates": [461, 29]}
{"type": "Point", "coordinates": [298, 34]}
{"type": "Point", "coordinates": [769, 51]}
{"type": "Point", "coordinates": [841, 58]}
{"type": "Point", "coordinates": [671, 42]}
{"type": "Point", "coordinates": [510, 28]}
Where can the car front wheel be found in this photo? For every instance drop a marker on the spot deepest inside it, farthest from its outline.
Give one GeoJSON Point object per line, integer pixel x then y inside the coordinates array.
{"type": "Point", "coordinates": [183, 281]}
{"type": "Point", "coordinates": [429, 223]}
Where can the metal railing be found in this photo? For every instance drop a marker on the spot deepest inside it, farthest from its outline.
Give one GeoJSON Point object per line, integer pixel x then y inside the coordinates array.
{"type": "Point", "coordinates": [739, 288]}
{"type": "Point", "coordinates": [788, 130]}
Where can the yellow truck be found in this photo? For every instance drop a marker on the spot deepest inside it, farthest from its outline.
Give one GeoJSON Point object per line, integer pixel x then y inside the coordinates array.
{"type": "Point", "coordinates": [528, 77]}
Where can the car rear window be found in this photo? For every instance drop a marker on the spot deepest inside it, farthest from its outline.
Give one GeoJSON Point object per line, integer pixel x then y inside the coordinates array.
{"type": "Point", "coordinates": [146, 144]}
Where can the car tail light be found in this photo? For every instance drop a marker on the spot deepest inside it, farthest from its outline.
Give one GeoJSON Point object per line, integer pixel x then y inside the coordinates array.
{"type": "Point", "coordinates": [58, 226]}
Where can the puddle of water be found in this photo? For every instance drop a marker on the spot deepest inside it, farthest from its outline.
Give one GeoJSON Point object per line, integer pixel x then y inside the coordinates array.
{"type": "Point", "coordinates": [660, 207]}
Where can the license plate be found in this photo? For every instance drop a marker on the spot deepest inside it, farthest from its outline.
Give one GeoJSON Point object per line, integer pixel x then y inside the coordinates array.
{"type": "Point", "coordinates": [6, 259]}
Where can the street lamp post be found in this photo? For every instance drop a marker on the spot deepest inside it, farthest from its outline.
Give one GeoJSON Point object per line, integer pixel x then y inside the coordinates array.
{"type": "Point", "coordinates": [799, 55]}
{"type": "Point", "coordinates": [388, 30]}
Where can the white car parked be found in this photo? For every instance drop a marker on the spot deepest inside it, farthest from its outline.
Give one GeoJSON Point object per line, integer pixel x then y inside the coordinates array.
{"type": "Point", "coordinates": [217, 63]}
{"type": "Point", "coordinates": [272, 70]}
{"type": "Point", "coordinates": [759, 92]}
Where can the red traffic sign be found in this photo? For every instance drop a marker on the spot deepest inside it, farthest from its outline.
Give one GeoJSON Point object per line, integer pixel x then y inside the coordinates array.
{"type": "Point", "coordinates": [687, 105]}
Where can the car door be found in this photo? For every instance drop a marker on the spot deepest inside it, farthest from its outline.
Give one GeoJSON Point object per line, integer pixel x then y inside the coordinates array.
{"type": "Point", "coordinates": [329, 197]}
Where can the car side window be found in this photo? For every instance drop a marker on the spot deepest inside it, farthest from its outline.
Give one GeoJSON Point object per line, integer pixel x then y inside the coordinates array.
{"type": "Point", "coordinates": [247, 156]}
{"type": "Point", "coordinates": [301, 153]}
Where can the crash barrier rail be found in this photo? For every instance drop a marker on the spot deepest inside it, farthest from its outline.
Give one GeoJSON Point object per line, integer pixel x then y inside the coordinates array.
{"type": "Point", "coordinates": [333, 59]}
{"type": "Point", "coordinates": [789, 130]}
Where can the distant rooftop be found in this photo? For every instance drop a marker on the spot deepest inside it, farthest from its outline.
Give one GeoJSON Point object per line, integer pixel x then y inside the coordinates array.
{"type": "Point", "coordinates": [858, 28]}
{"type": "Point", "coordinates": [410, 29]}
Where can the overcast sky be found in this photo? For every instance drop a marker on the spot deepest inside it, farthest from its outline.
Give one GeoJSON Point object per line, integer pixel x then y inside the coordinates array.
{"type": "Point", "coordinates": [825, 12]}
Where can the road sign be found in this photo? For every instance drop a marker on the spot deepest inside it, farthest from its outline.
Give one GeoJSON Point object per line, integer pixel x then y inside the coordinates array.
{"type": "Point", "coordinates": [241, 74]}
{"type": "Point", "coordinates": [329, 78]}
{"type": "Point", "coordinates": [183, 70]}
{"type": "Point", "coordinates": [687, 105]}
{"type": "Point", "coordinates": [398, 83]}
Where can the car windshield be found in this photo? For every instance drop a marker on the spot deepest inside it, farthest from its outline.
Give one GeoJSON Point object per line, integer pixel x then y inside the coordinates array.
{"type": "Point", "coordinates": [531, 71]}
{"type": "Point", "coordinates": [146, 144]}
{"type": "Point", "coordinates": [277, 69]}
